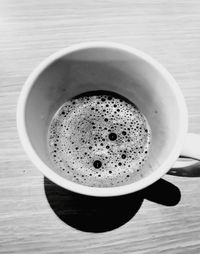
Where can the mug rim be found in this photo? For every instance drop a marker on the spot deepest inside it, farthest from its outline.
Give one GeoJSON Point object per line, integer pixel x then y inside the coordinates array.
{"type": "Point", "coordinates": [101, 191]}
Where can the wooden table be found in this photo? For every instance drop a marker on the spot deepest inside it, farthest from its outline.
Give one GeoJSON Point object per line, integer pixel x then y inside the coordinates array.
{"type": "Point", "coordinates": [37, 216]}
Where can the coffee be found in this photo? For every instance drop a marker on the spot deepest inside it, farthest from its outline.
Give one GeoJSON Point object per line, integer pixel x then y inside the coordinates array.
{"type": "Point", "coordinates": [99, 139]}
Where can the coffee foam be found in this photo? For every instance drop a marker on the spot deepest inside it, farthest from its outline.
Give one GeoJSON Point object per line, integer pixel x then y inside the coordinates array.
{"type": "Point", "coordinates": [99, 141]}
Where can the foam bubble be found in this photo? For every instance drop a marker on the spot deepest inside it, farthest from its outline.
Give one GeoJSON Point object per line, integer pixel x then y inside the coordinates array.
{"type": "Point", "coordinates": [99, 140]}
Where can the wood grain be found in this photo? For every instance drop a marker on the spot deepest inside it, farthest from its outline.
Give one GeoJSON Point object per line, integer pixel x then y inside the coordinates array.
{"type": "Point", "coordinates": [30, 31]}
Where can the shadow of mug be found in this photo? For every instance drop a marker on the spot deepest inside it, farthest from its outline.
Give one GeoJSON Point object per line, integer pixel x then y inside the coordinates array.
{"type": "Point", "coordinates": [101, 214]}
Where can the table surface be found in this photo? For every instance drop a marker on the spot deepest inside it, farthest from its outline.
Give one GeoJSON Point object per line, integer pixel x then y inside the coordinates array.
{"type": "Point", "coordinates": [37, 216]}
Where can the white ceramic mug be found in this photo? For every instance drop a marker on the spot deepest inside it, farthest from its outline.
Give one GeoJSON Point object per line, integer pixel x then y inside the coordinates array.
{"type": "Point", "coordinates": [114, 67]}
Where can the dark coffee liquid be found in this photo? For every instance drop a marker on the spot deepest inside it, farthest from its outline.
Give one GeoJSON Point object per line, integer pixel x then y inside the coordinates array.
{"type": "Point", "coordinates": [99, 139]}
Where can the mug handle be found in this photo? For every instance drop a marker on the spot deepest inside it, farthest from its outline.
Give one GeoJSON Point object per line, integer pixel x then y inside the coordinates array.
{"type": "Point", "coordinates": [191, 151]}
